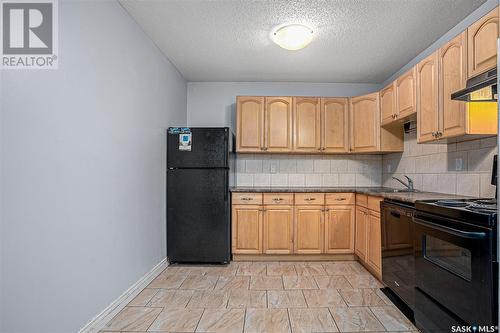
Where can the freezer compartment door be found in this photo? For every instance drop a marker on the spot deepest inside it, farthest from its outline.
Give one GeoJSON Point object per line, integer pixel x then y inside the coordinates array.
{"type": "Point", "coordinates": [198, 225]}
{"type": "Point", "coordinates": [209, 149]}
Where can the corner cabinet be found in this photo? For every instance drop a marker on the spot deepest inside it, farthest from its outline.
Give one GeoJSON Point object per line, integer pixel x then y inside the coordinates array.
{"type": "Point", "coordinates": [482, 44]}
{"type": "Point", "coordinates": [387, 105]}
{"type": "Point", "coordinates": [427, 95]}
{"type": "Point", "coordinates": [406, 102]}
{"type": "Point", "coordinates": [365, 123]}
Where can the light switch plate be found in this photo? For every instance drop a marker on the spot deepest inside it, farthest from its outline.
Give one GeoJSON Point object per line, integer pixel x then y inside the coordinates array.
{"type": "Point", "coordinates": [459, 164]}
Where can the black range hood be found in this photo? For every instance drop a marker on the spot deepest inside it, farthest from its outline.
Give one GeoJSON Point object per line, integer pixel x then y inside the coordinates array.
{"type": "Point", "coordinates": [480, 88]}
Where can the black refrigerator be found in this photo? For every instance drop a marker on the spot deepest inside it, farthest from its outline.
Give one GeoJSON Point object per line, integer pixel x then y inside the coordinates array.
{"type": "Point", "coordinates": [199, 174]}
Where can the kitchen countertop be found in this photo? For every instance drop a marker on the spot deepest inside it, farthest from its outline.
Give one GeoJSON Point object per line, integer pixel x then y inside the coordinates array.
{"type": "Point", "coordinates": [385, 192]}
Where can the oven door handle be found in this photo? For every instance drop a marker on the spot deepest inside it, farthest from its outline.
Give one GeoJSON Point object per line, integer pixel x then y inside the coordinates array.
{"type": "Point", "coordinates": [456, 232]}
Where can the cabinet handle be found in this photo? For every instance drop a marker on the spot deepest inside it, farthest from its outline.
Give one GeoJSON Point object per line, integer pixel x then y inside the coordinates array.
{"type": "Point", "coordinates": [277, 199]}
{"type": "Point", "coordinates": [246, 199]}
{"type": "Point", "coordinates": [310, 199]}
{"type": "Point", "coordinates": [340, 199]}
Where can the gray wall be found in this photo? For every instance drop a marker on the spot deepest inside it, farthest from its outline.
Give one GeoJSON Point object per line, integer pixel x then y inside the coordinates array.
{"type": "Point", "coordinates": [83, 170]}
{"type": "Point", "coordinates": [213, 103]}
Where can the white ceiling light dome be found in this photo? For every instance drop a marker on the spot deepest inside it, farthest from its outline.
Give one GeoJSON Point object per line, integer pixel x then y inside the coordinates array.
{"type": "Point", "coordinates": [292, 36]}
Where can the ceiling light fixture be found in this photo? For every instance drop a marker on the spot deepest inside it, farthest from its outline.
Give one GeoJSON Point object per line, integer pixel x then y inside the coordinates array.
{"type": "Point", "coordinates": [292, 36]}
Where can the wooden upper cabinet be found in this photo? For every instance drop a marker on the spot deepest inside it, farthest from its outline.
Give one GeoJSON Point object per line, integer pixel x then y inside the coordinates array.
{"type": "Point", "coordinates": [452, 77]}
{"type": "Point", "coordinates": [339, 229]}
{"type": "Point", "coordinates": [250, 123]}
{"type": "Point", "coordinates": [387, 104]}
{"type": "Point", "coordinates": [278, 229]}
{"type": "Point", "coordinates": [406, 101]}
{"type": "Point", "coordinates": [365, 123]}
{"type": "Point", "coordinates": [306, 120]}
{"type": "Point", "coordinates": [427, 95]}
{"type": "Point", "coordinates": [309, 229]}
{"type": "Point", "coordinates": [278, 124]}
{"type": "Point", "coordinates": [334, 125]}
{"type": "Point", "coordinates": [482, 44]}
{"type": "Point", "coordinates": [247, 229]}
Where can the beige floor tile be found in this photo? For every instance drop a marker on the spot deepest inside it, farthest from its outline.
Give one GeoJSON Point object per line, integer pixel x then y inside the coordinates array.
{"type": "Point", "coordinates": [323, 298]}
{"type": "Point", "coordinates": [222, 320]}
{"type": "Point", "coordinates": [252, 269]}
{"type": "Point", "coordinates": [227, 270]}
{"type": "Point", "coordinates": [285, 299]}
{"type": "Point", "coordinates": [133, 319]}
{"type": "Point", "coordinates": [299, 282]}
{"type": "Point", "coordinates": [171, 298]}
{"type": "Point", "coordinates": [143, 297]}
{"type": "Point", "coordinates": [392, 318]}
{"type": "Point", "coordinates": [280, 269]}
{"type": "Point", "coordinates": [358, 319]}
{"type": "Point", "coordinates": [266, 283]}
{"type": "Point", "coordinates": [232, 282]}
{"type": "Point", "coordinates": [167, 281]}
{"type": "Point", "coordinates": [186, 270]}
{"type": "Point", "coordinates": [339, 268]}
{"type": "Point", "coordinates": [199, 282]}
{"type": "Point", "coordinates": [240, 298]}
{"type": "Point", "coordinates": [177, 320]}
{"type": "Point", "coordinates": [361, 297]}
{"type": "Point", "coordinates": [209, 299]}
{"type": "Point", "coordinates": [309, 269]}
{"type": "Point", "coordinates": [266, 321]}
{"type": "Point", "coordinates": [312, 320]}
{"type": "Point", "coordinates": [383, 296]}
{"type": "Point", "coordinates": [358, 268]}
{"type": "Point", "coordinates": [363, 281]}
{"type": "Point", "coordinates": [332, 282]}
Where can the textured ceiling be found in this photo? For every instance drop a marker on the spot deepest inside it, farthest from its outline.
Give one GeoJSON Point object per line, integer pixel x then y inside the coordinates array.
{"type": "Point", "coordinates": [358, 41]}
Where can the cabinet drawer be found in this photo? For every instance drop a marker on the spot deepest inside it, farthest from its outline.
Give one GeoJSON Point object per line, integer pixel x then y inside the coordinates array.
{"type": "Point", "coordinates": [278, 199]}
{"type": "Point", "coordinates": [362, 200]}
{"type": "Point", "coordinates": [374, 203]}
{"type": "Point", "coordinates": [247, 198]}
{"type": "Point", "coordinates": [340, 199]}
{"type": "Point", "coordinates": [309, 199]}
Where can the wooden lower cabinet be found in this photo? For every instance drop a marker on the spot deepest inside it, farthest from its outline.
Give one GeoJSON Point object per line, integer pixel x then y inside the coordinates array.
{"type": "Point", "coordinates": [374, 242]}
{"type": "Point", "coordinates": [360, 235]}
{"type": "Point", "coordinates": [339, 229]}
{"type": "Point", "coordinates": [309, 229]}
{"type": "Point", "coordinates": [247, 229]}
{"type": "Point", "coordinates": [278, 229]}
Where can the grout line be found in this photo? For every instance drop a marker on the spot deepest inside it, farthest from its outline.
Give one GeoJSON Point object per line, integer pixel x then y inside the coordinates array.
{"type": "Point", "coordinates": [162, 309]}
{"type": "Point", "coordinates": [199, 320]}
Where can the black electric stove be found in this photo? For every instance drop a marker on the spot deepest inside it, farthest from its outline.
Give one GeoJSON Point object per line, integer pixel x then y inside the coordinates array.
{"type": "Point", "coordinates": [482, 212]}
{"type": "Point", "coordinates": [456, 267]}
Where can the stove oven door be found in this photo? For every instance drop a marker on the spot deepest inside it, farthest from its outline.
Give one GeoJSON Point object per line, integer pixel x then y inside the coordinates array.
{"type": "Point", "coordinates": [453, 267]}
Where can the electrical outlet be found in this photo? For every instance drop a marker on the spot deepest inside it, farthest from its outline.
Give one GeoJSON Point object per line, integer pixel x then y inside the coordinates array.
{"type": "Point", "coordinates": [459, 164]}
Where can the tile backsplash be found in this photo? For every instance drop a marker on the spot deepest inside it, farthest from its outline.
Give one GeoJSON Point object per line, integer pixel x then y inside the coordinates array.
{"type": "Point", "coordinates": [308, 170]}
{"type": "Point", "coordinates": [462, 168]}
{"type": "Point", "coordinates": [458, 168]}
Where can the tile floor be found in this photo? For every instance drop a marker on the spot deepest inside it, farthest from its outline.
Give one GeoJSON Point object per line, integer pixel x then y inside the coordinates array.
{"type": "Point", "coordinates": [262, 297]}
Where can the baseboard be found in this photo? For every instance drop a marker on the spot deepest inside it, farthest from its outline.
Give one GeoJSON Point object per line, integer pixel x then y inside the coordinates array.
{"type": "Point", "coordinates": [97, 323]}
{"type": "Point", "coordinates": [293, 257]}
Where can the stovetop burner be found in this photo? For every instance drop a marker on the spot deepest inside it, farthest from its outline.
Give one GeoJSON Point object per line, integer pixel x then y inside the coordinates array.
{"type": "Point", "coordinates": [451, 203]}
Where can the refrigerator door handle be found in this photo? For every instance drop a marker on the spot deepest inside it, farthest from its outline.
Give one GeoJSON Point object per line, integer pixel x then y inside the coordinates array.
{"type": "Point", "coordinates": [226, 185]}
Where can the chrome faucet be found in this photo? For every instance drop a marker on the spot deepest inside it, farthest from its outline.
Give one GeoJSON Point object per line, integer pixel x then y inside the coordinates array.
{"type": "Point", "coordinates": [409, 186]}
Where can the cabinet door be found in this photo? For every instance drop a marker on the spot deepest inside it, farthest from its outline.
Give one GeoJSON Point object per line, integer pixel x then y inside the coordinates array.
{"type": "Point", "coordinates": [482, 44]}
{"type": "Point", "coordinates": [387, 104]}
{"type": "Point", "coordinates": [250, 124]}
{"type": "Point", "coordinates": [247, 229]}
{"type": "Point", "coordinates": [360, 234]}
{"type": "Point", "coordinates": [365, 123]}
{"type": "Point", "coordinates": [374, 241]}
{"type": "Point", "coordinates": [278, 229]}
{"type": "Point", "coordinates": [306, 120]}
{"type": "Point", "coordinates": [335, 125]}
{"type": "Point", "coordinates": [406, 101]}
{"type": "Point", "coordinates": [427, 95]}
{"type": "Point", "coordinates": [278, 124]}
{"type": "Point", "coordinates": [339, 229]}
{"type": "Point", "coordinates": [309, 231]}
{"type": "Point", "coordinates": [452, 77]}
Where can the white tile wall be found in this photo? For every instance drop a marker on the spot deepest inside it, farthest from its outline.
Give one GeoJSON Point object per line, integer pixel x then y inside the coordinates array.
{"type": "Point", "coordinates": [458, 168]}
{"type": "Point", "coordinates": [308, 170]}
